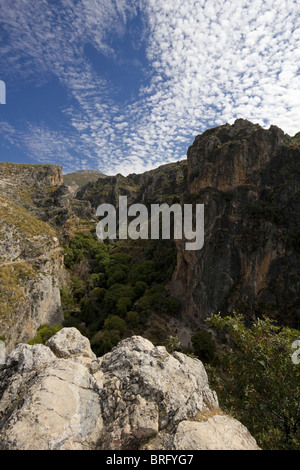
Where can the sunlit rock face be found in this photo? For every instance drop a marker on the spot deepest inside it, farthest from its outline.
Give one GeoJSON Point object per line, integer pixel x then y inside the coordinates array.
{"type": "Point", "coordinates": [230, 156]}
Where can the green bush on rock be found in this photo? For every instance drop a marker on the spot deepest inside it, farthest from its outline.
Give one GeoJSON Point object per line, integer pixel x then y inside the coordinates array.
{"type": "Point", "coordinates": [257, 381]}
{"type": "Point", "coordinates": [44, 332]}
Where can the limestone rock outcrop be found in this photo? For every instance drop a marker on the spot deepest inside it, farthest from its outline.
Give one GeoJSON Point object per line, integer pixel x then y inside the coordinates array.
{"type": "Point", "coordinates": [61, 396]}
{"type": "Point", "coordinates": [232, 155]}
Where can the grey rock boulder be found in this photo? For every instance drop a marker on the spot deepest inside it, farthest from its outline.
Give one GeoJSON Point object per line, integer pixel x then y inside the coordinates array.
{"type": "Point", "coordinates": [70, 343]}
{"type": "Point", "coordinates": [215, 433]}
{"type": "Point", "coordinates": [60, 396]}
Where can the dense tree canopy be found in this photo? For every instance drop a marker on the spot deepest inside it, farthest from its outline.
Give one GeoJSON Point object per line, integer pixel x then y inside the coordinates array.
{"type": "Point", "coordinates": [116, 284]}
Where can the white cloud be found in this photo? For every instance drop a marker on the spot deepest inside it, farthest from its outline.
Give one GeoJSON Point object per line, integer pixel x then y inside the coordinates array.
{"type": "Point", "coordinates": [210, 61]}
{"type": "Point", "coordinates": [233, 66]}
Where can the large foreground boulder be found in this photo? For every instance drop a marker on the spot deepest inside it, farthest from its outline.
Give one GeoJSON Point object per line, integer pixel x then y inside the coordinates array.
{"type": "Point", "coordinates": [61, 396]}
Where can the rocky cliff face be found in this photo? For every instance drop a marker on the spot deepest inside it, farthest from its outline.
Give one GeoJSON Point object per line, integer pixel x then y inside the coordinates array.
{"type": "Point", "coordinates": [37, 175]}
{"type": "Point", "coordinates": [248, 180]}
{"type": "Point", "coordinates": [61, 396]}
{"type": "Point", "coordinates": [31, 260]}
{"type": "Point", "coordinates": [227, 157]}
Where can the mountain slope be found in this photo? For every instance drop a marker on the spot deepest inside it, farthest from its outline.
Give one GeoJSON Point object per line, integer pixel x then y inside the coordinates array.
{"type": "Point", "coordinates": [80, 178]}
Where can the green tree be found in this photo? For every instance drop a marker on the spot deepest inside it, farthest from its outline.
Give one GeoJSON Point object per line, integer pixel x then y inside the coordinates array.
{"type": "Point", "coordinates": [116, 275]}
{"type": "Point", "coordinates": [114, 293]}
{"type": "Point", "coordinates": [139, 288]}
{"type": "Point", "coordinates": [133, 318]}
{"type": "Point", "coordinates": [98, 293]}
{"type": "Point", "coordinates": [104, 340]}
{"type": "Point", "coordinates": [204, 345]}
{"type": "Point", "coordinates": [81, 245]}
{"type": "Point", "coordinates": [156, 298]}
{"type": "Point", "coordinates": [114, 322]}
{"type": "Point", "coordinates": [144, 272]}
{"type": "Point", "coordinates": [257, 381]}
{"type": "Point", "coordinates": [123, 305]}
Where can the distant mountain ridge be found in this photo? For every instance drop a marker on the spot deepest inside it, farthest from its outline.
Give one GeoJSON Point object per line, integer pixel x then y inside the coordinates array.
{"type": "Point", "coordinates": [80, 178]}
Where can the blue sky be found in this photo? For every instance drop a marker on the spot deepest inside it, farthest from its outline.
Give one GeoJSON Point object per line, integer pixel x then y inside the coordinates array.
{"type": "Point", "coordinates": [123, 86]}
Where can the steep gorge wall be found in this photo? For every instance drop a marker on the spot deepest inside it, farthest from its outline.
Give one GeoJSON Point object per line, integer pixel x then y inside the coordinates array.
{"type": "Point", "coordinates": [248, 180]}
